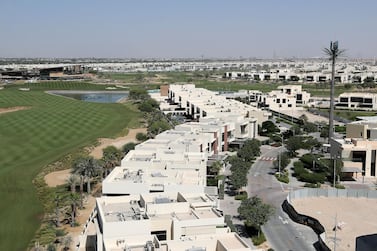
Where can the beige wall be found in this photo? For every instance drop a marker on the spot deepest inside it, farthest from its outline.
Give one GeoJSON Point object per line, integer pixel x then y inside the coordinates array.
{"type": "Point", "coordinates": [356, 131]}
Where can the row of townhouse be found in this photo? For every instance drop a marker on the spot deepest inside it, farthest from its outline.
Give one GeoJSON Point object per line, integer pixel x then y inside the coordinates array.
{"type": "Point", "coordinates": [293, 76]}
{"type": "Point", "coordinates": [284, 98]}
{"type": "Point", "coordinates": [157, 199]}
{"type": "Point", "coordinates": [358, 150]}
{"type": "Point", "coordinates": [357, 100]}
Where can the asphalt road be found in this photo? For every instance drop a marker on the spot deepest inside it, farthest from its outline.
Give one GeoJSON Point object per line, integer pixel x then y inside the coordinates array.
{"type": "Point", "coordinates": [281, 233]}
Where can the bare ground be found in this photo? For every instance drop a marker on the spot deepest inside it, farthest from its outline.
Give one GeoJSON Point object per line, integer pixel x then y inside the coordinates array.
{"type": "Point", "coordinates": [354, 217]}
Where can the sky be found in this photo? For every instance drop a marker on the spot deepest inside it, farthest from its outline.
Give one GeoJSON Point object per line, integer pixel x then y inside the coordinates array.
{"type": "Point", "coordinates": [186, 29]}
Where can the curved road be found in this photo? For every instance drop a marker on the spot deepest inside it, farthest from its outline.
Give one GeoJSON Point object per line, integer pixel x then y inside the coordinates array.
{"type": "Point", "coordinates": [282, 233]}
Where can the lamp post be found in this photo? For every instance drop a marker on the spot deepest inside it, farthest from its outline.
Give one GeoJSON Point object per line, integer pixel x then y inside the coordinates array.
{"type": "Point", "coordinates": [281, 137]}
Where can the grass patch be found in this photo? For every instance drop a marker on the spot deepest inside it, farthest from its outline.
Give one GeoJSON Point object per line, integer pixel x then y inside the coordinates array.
{"type": "Point", "coordinates": [283, 177]}
{"type": "Point", "coordinates": [241, 196]}
{"type": "Point", "coordinates": [32, 139]}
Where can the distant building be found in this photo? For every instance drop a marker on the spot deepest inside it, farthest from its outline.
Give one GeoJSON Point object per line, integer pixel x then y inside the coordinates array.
{"type": "Point", "coordinates": [357, 100]}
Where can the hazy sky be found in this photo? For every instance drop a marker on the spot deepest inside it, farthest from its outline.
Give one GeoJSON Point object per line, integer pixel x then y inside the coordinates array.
{"type": "Point", "coordinates": [191, 28]}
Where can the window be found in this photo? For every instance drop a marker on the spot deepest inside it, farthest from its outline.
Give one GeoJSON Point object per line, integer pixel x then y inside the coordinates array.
{"type": "Point", "coordinates": [161, 235]}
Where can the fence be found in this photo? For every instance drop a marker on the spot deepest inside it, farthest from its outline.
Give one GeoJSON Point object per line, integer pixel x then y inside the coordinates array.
{"type": "Point", "coordinates": [346, 193]}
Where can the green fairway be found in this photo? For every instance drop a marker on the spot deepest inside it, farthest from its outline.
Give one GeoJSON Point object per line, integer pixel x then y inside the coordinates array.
{"type": "Point", "coordinates": [30, 139]}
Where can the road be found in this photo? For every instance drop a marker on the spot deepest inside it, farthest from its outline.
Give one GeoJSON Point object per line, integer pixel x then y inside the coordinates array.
{"type": "Point", "coordinates": [281, 233]}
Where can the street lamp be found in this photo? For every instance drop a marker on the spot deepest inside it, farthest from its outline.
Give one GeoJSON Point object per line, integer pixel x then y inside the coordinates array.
{"type": "Point", "coordinates": [281, 137]}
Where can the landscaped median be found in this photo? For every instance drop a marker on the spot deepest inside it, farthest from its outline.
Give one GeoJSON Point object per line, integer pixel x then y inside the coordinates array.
{"type": "Point", "coordinates": [31, 139]}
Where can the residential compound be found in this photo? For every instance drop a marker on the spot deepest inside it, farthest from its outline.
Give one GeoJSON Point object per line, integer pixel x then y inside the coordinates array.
{"type": "Point", "coordinates": [295, 70]}
{"type": "Point", "coordinates": [358, 149]}
{"type": "Point", "coordinates": [308, 71]}
{"type": "Point", "coordinates": [158, 198]}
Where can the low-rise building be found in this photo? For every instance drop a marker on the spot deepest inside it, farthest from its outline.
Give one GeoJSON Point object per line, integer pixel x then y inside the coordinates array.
{"type": "Point", "coordinates": [358, 149]}
{"type": "Point", "coordinates": [357, 100]}
{"type": "Point", "coordinates": [163, 221]}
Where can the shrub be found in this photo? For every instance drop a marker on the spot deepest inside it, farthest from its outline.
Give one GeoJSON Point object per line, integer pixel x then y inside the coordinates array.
{"type": "Point", "coordinates": [283, 177]}
{"type": "Point", "coordinates": [310, 185]}
{"type": "Point", "coordinates": [257, 240]}
{"type": "Point", "coordinates": [141, 136]}
{"type": "Point", "coordinates": [339, 186]}
{"type": "Point", "coordinates": [241, 196]}
{"type": "Point", "coordinates": [60, 232]}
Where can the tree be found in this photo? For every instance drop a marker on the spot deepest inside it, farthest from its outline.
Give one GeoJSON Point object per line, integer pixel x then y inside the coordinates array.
{"type": "Point", "coordinates": [74, 200]}
{"type": "Point", "coordinates": [293, 144]}
{"type": "Point", "coordinates": [87, 167]}
{"type": "Point", "coordinates": [310, 127]}
{"type": "Point", "coordinates": [138, 94]}
{"type": "Point", "coordinates": [239, 169]}
{"type": "Point", "coordinates": [255, 212]}
{"type": "Point", "coordinates": [72, 181]}
{"type": "Point", "coordinates": [215, 167]}
{"type": "Point", "coordinates": [284, 161]}
{"type": "Point", "coordinates": [128, 147]}
{"type": "Point", "coordinates": [249, 150]}
{"type": "Point", "coordinates": [158, 126]}
{"type": "Point", "coordinates": [111, 157]}
{"type": "Point", "coordinates": [268, 127]}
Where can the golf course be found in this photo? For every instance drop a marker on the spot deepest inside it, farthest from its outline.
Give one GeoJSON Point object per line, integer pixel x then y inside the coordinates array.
{"type": "Point", "coordinates": [44, 130]}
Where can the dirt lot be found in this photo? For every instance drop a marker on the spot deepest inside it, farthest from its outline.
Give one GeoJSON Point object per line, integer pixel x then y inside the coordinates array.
{"type": "Point", "coordinates": [354, 216]}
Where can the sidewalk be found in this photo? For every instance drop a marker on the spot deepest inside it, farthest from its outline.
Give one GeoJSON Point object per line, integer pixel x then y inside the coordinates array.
{"type": "Point", "coordinates": [229, 206]}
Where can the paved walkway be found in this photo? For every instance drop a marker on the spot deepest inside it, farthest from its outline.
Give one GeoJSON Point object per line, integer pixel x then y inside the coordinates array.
{"type": "Point", "coordinates": [229, 206]}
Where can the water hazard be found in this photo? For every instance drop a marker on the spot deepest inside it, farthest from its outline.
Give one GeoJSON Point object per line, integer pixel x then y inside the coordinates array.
{"type": "Point", "coordinates": [94, 96]}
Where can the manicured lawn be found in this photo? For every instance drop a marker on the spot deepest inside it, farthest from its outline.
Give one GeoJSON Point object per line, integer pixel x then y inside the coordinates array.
{"type": "Point", "coordinates": [30, 139]}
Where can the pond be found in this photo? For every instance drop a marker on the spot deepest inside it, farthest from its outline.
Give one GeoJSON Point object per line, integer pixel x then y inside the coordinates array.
{"type": "Point", "coordinates": [94, 96]}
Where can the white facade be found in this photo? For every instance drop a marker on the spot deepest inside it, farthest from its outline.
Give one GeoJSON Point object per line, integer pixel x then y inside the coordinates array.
{"type": "Point", "coordinates": [359, 149]}
{"type": "Point", "coordinates": [357, 100]}
{"type": "Point", "coordinates": [286, 97]}
{"type": "Point", "coordinates": [164, 221]}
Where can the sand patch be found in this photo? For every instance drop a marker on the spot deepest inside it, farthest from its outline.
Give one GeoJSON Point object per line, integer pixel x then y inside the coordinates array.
{"type": "Point", "coordinates": [118, 142]}
{"type": "Point", "coordinates": [354, 217]}
{"type": "Point", "coordinates": [13, 109]}
{"type": "Point", "coordinates": [57, 178]}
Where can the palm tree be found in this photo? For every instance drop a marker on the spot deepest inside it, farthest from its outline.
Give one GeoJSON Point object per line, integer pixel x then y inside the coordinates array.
{"type": "Point", "coordinates": [72, 181]}
{"type": "Point", "coordinates": [111, 158]}
{"type": "Point", "coordinates": [74, 200]}
{"type": "Point", "coordinates": [333, 52]}
{"type": "Point", "coordinates": [87, 167]}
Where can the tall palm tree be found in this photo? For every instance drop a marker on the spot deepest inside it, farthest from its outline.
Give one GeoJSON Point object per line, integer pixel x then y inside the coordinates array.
{"type": "Point", "coordinates": [333, 53]}
{"type": "Point", "coordinates": [87, 167]}
{"type": "Point", "coordinates": [111, 158]}
{"type": "Point", "coordinates": [74, 201]}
